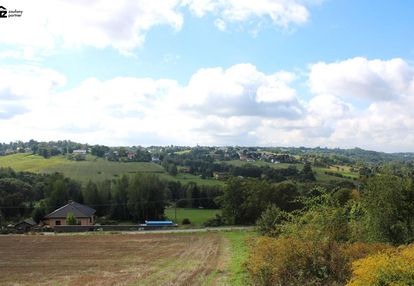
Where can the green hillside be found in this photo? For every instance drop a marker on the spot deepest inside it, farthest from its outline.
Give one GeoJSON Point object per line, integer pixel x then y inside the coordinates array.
{"type": "Point", "coordinates": [94, 168]}
{"type": "Point", "coordinates": [320, 174]}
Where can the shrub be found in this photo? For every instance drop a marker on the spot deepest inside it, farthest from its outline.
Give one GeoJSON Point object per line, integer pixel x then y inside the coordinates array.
{"type": "Point", "coordinates": [186, 221]}
{"type": "Point", "coordinates": [292, 261]}
{"type": "Point", "coordinates": [389, 213]}
{"type": "Point", "coordinates": [216, 221]}
{"type": "Point", "coordinates": [71, 220]}
{"type": "Point", "coordinates": [270, 220]}
{"type": "Point", "coordinates": [391, 267]}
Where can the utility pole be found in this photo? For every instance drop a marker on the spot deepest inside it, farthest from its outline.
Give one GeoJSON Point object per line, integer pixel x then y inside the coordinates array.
{"type": "Point", "coordinates": [175, 212]}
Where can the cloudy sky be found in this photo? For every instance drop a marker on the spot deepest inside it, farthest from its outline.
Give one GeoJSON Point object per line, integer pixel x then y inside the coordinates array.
{"type": "Point", "coordinates": [335, 73]}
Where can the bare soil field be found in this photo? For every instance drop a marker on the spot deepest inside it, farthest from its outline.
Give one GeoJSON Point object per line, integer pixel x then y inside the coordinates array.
{"type": "Point", "coordinates": [113, 259]}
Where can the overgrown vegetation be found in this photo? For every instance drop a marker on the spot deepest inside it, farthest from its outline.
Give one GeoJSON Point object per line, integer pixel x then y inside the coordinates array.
{"type": "Point", "coordinates": [321, 243]}
{"type": "Point", "coordinates": [391, 267]}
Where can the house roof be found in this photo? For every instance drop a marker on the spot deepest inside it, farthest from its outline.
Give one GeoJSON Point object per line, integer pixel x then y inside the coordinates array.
{"type": "Point", "coordinates": [75, 208]}
{"type": "Point", "coordinates": [28, 221]}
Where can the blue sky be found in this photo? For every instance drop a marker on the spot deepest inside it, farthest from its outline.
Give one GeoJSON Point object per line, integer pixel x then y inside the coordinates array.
{"type": "Point", "coordinates": [330, 73]}
{"type": "Point", "coordinates": [336, 30]}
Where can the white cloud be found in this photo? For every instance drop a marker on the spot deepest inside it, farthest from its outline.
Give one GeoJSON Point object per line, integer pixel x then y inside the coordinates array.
{"type": "Point", "coordinates": [25, 87]}
{"type": "Point", "coordinates": [383, 126]}
{"type": "Point", "coordinates": [238, 105]}
{"type": "Point", "coordinates": [127, 109]}
{"type": "Point", "coordinates": [241, 90]}
{"type": "Point", "coordinates": [280, 13]}
{"type": "Point", "coordinates": [362, 78]}
{"type": "Point", "coordinates": [220, 24]}
{"type": "Point", "coordinates": [49, 24]}
{"type": "Point", "coordinates": [328, 107]}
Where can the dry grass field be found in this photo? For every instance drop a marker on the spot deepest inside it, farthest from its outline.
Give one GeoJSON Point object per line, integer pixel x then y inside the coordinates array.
{"type": "Point", "coordinates": [114, 259]}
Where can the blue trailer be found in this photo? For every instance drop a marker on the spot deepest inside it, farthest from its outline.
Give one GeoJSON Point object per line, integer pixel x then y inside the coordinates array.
{"type": "Point", "coordinates": [157, 224]}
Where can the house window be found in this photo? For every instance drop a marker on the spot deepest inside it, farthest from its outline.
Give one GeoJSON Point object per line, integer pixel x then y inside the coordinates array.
{"type": "Point", "coordinates": [58, 222]}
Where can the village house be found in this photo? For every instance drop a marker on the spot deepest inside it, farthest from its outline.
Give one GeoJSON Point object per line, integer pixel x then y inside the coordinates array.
{"type": "Point", "coordinates": [83, 214]}
{"type": "Point", "coordinates": [130, 155]}
{"type": "Point", "coordinates": [155, 159]}
{"type": "Point", "coordinates": [79, 152]}
{"type": "Point", "coordinates": [220, 175]}
{"type": "Point", "coordinates": [25, 225]}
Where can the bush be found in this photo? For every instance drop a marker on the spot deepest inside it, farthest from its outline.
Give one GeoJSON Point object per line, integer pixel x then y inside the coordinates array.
{"type": "Point", "coordinates": [217, 221]}
{"type": "Point", "coordinates": [270, 220]}
{"type": "Point", "coordinates": [186, 221]}
{"type": "Point", "coordinates": [391, 267]}
{"type": "Point", "coordinates": [389, 213]}
{"type": "Point", "coordinates": [71, 220]}
{"type": "Point", "coordinates": [292, 261]}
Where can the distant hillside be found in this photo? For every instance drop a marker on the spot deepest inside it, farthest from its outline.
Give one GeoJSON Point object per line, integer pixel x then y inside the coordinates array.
{"type": "Point", "coordinates": [355, 154]}
{"type": "Point", "coordinates": [93, 168]}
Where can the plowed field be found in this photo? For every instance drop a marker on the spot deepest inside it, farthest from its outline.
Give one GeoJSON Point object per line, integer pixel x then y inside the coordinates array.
{"type": "Point", "coordinates": [113, 259]}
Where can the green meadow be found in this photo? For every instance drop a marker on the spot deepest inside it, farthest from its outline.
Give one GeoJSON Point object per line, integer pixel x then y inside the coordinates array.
{"type": "Point", "coordinates": [93, 168]}
{"type": "Point", "coordinates": [196, 216]}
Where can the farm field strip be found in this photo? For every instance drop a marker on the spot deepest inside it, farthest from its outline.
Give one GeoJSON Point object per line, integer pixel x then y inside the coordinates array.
{"type": "Point", "coordinates": [149, 259]}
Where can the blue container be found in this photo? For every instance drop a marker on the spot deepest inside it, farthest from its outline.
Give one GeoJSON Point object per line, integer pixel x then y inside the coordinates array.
{"type": "Point", "coordinates": [158, 223]}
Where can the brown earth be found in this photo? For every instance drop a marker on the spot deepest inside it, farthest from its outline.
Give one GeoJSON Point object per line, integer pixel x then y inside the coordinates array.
{"type": "Point", "coordinates": [113, 259]}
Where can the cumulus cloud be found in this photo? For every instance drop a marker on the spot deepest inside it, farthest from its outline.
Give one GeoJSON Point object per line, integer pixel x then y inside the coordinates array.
{"type": "Point", "coordinates": [362, 78]}
{"type": "Point", "coordinates": [52, 24]}
{"type": "Point", "coordinates": [385, 124]}
{"type": "Point", "coordinates": [241, 90]}
{"type": "Point", "coordinates": [281, 13]}
{"type": "Point", "coordinates": [328, 107]}
{"type": "Point", "coordinates": [229, 103]}
{"type": "Point", "coordinates": [24, 87]}
{"type": "Point", "coordinates": [238, 105]}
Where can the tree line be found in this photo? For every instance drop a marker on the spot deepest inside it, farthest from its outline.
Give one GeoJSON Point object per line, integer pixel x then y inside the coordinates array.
{"type": "Point", "coordinates": [135, 197]}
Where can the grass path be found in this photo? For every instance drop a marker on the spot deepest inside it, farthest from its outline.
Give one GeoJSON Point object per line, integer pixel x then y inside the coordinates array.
{"type": "Point", "coordinates": [237, 275]}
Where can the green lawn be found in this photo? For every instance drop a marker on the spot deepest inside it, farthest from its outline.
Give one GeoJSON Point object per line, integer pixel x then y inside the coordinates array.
{"type": "Point", "coordinates": [344, 170]}
{"type": "Point", "coordinates": [187, 178]}
{"type": "Point", "coordinates": [30, 163]}
{"type": "Point", "coordinates": [196, 216]}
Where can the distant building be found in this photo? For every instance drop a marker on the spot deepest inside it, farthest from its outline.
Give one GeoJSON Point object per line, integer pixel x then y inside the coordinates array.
{"type": "Point", "coordinates": [220, 175]}
{"type": "Point", "coordinates": [25, 225]}
{"type": "Point", "coordinates": [155, 159]}
{"type": "Point", "coordinates": [83, 214]}
{"type": "Point", "coordinates": [79, 152]}
{"type": "Point", "coordinates": [130, 155]}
